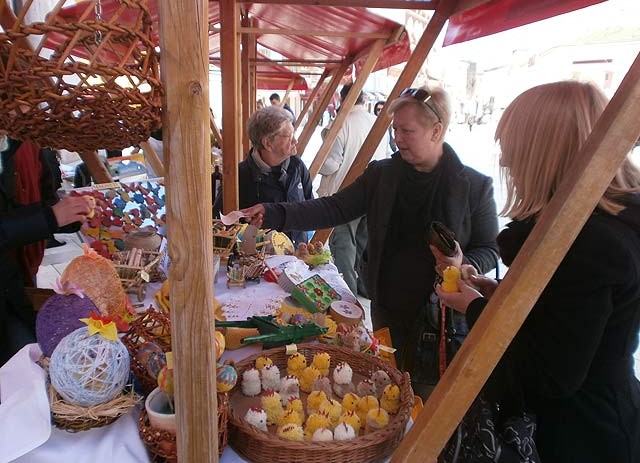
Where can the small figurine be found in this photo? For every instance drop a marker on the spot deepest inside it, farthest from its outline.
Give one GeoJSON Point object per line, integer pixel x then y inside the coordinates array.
{"type": "Point", "coordinates": [450, 277]}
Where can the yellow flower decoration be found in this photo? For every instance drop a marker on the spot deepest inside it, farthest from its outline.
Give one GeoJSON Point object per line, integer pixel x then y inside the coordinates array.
{"type": "Point", "coordinates": [106, 330]}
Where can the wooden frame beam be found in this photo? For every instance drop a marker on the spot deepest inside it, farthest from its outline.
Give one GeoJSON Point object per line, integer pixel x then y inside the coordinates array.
{"type": "Point", "coordinates": [609, 143]}
{"type": "Point", "coordinates": [231, 113]}
{"type": "Point", "coordinates": [314, 93]}
{"type": "Point", "coordinates": [315, 33]}
{"type": "Point", "coordinates": [372, 59]}
{"type": "Point", "coordinates": [185, 77]}
{"type": "Point", "coordinates": [397, 4]}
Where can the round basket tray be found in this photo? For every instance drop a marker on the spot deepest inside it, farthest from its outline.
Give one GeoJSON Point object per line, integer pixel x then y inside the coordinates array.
{"type": "Point", "coordinates": [75, 418]}
{"type": "Point", "coordinates": [162, 444]}
{"type": "Point", "coordinates": [267, 447]}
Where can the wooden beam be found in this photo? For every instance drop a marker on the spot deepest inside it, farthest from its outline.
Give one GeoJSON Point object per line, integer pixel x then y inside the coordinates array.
{"type": "Point", "coordinates": [609, 143]}
{"type": "Point", "coordinates": [245, 65]}
{"type": "Point", "coordinates": [217, 135]}
{"type": "Point", "coordinates": [314, 33]}
{"type": "Point", "coordinates": [96, 166]}
{"type": "Point", "coordinates": [185, 77]}
{"type": "Point", "coordinates": [399, 4]}
{"type": "Point", "coordinates": [367, 67]}
{"type": "Point", "coordinates": [464, 5]}
{"type": "Point", "coordinates": [253, 74]}
{"type": "Point", "coordinates": [292, 81]}
{"type": "Point", "coordinates": [231, 112]}
{"type": "Point", "coordinates": [152, 158]}
{"type": "Point", "coordinates": [381, 125]}
{"type": "Point", "coordinates": [314, 93]}
{"type": "Point", "coordinates": [311, 124]}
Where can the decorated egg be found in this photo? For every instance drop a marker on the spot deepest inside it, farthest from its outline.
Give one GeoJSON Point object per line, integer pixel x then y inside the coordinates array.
{"type": "Point", "coordinates": [226, 377]}
{"type": "Point", "coordinates": [165, 380]}
{"type": "Point", "coordinates": [220, 344]}
{"type": "Point", "coordinates": [151, 357]}
{"type": "Point", "coordinates": [89, 370]}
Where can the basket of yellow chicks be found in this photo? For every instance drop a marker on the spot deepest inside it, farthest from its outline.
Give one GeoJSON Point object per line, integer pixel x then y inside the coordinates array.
{"type": "Point", "coordinates": [317, 403]}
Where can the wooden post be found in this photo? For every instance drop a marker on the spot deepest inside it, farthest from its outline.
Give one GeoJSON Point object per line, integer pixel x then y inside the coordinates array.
{"type": "Point", "coordinates": [381, 125]}
{"type": "Point", "coordinates": [184, 44]}
{"type": "Point", "coordinates": [312, 97]}
{"type": "Point", "coordinates": [152, 158]}
{"type": "Point", "coordinates": [217, 135]}
{"type": "Point", "coordinates": [609, 143]}
{"type": "Point", "coordinates": [311, 124]}
{"type": "Point", "coordinates": [246, 65]}
{"type": "Point", "coordinates": [96, 167]}
{"type": "Point", "coordinates": [372, 59]}
{"type": "Point", "coordinates": [231, 113]}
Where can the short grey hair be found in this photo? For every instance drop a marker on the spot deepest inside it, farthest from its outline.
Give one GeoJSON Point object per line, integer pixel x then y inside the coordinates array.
{"type": "Point", "coordinates": [266, 122]}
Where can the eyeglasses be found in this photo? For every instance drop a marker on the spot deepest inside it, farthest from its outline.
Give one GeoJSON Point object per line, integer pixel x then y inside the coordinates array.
{"type": "Point", "coordinates": [423, 96]}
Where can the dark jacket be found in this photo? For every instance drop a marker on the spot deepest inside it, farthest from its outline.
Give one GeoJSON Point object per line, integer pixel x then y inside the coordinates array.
{"type": "Point", "coordinates": [571, 363]}
{"type": "Point", "coordinates": [20, 226]}
{"type": "Point", "coordinates": [291, 184]}
{"type": "Point", "coordinates": [469, 210]}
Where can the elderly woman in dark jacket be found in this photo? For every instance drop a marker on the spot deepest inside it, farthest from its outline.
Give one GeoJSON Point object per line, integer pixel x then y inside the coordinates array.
{"type": "Point", "coordinates": [571, 363]}
{"type": "Point", "coordinates": [423, 182]}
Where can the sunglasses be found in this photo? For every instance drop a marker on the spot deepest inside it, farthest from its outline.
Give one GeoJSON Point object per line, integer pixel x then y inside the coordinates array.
{"type": "Point", "coordinates": [423, 96]}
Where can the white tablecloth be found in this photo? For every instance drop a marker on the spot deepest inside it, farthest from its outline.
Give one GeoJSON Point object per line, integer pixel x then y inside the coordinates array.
{"type": "Point", "coordinates": [26, 433]}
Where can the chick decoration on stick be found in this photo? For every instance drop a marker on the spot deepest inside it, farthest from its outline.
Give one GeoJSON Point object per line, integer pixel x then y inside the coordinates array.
{"type": "Point", "coordinates": [450, 277]}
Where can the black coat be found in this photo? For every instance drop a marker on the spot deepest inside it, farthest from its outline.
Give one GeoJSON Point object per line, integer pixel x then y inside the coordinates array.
{"type": "Point", "coordinates": [571, 362]}
{"type": "Point", "coordinates": [469, 210]}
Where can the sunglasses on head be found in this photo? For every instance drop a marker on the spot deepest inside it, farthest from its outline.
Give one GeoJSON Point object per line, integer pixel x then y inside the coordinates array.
{"type": "Point", "coordinates": [423, 96]}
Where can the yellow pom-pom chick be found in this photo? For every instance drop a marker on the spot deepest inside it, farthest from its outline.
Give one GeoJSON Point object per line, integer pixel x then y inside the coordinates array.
{"type": "Point", "coordinates": [314, 422]}
{"type": "Point", "coordinates": [297, 406]}
{"type": "Point", "coordinates": [334, 409]}
{"type": "Point", "coordinates": [307, 377]}
{"type": "Point", "coordinates": [291, 416]}
{"type": "Point", "coordinates": [292, 432]}
{"type": "Point", "coordinates": [390, 399]}
{"type": "Point", "coordinates": [351, 418]}
{"type": "Point", "coordinates": [350, 401]}
{"type": "Point", "coordinates": [322, 362]}
{"type": "Point", "coordinates": [377, 418]}
{"type": "Point", "coordinates": [366, 403]}
{"type": "Point", "coordinates": [261, 362]}
{"type": "Point", "coordinates": [314, 400]}
{"type": "Point", "coordinates": [450, 277]}
{"type": "Point", "coordinates": [295, 364]}
{"type": "Point", "coordinates": [270, 402]}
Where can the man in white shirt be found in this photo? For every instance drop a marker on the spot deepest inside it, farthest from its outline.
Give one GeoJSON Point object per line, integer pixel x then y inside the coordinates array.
{"type": "Point", "coordinates": [348, 241]}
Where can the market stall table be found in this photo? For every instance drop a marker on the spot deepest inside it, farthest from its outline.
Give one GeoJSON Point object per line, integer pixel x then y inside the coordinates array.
{"type": "Point", "coordinates": [27, 434]}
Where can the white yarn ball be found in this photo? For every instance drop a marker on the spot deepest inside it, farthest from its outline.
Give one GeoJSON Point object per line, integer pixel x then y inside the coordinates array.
{"type": "Point", "coordinates": [89, 370]}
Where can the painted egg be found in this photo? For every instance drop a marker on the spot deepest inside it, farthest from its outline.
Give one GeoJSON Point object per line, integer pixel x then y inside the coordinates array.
{"type": "Point", "coordinates": [152, 358]}
{"type": "Point", "coordinates": [226, 377]}
{"type": "Point", "coordinates": [220, 344]}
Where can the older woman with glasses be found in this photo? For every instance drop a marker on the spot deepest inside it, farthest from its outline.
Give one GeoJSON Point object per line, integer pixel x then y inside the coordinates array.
{"type": "Point", "coordinates": [423, 182]}
{"type": "Point", "coordinates": [272, 172]}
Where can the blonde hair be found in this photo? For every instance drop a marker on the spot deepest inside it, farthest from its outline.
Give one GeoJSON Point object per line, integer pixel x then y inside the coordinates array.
{"type": "Point", "coordinates": [540, 135]}
{"type": "Point", "coordinates": [439, 102]}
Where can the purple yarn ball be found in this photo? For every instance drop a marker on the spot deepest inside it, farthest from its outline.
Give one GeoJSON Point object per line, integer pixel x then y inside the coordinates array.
{"type": "Point", "coordinates": [59, 316]}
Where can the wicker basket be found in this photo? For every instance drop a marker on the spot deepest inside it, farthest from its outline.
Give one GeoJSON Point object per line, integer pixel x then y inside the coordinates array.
{"type": "Point", "coordinates": [152, 326]}
{"type": "Point", "coordinates": [162, 444]}
{"type": "Point", "coordinates": [87, 83]}
{"type": "Point", "coordinates": [224, 238]}
{"type": "Point", "coordinates": [263, 447]}
{"type": "Point", "coordinates": [136, 267]}
{"type": "Point", "coordinates": [75, 418]}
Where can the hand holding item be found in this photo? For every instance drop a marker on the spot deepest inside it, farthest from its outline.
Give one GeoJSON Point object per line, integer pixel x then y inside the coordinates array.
{"type": "Point", "coordinates": [458, 300]}
{"type": "Point", "coordinates": [485, 285]}
{"type": "Point", "coordinates": [254, 214]}
{"type": "Point", "coordinates": [443, 261]}
{"type": "Point", "coordinates": [72, 209]}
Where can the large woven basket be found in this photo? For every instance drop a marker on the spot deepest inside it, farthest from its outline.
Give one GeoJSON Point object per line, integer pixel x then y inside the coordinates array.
{"type": "Point", "coordinates": [162, 444]}
{"type": "Point", "coordinates": [265, 447]}
{"type": "Point", "coordinates": [83, 79]}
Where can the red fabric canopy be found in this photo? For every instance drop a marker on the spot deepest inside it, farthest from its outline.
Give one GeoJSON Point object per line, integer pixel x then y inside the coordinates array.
{"type": "Point", "coordinates": [501, 15]}
{"type": "Point", "coordinates": [324, 51]}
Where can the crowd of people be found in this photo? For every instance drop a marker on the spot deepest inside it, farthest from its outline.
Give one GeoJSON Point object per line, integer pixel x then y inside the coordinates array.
{"type": "Point", "coordinates": [570, 364]}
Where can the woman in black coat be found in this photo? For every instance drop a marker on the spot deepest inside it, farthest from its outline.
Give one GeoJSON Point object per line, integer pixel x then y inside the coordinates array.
{"type": "Point", "coordinates": [571, 363]}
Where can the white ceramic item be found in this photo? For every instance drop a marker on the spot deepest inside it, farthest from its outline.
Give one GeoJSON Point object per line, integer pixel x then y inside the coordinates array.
{"type": "Point", "coordinates": [158, 410]}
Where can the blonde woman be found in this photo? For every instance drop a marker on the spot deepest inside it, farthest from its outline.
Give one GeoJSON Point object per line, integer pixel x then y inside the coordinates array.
{"type": "Point", "coordinates": [571, 363]}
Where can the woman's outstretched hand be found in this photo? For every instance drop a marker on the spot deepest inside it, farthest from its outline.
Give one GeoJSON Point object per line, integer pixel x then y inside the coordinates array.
{"type": "Point", "coordinates": [254, 214]}
{"type": "Point", "coordinates": [458, 300]}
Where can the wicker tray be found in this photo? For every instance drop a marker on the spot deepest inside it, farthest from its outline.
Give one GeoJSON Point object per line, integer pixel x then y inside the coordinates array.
{"type": "Point", "coordinates": [263, 447]}
{"type": "Point", "coordinates": [162, 444]}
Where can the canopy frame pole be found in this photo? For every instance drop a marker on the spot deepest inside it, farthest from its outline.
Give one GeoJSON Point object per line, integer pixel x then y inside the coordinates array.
{"type": "Point", "coordinates": [186, 140]}
{"type": "Point", "coordinates": [314, 93]}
